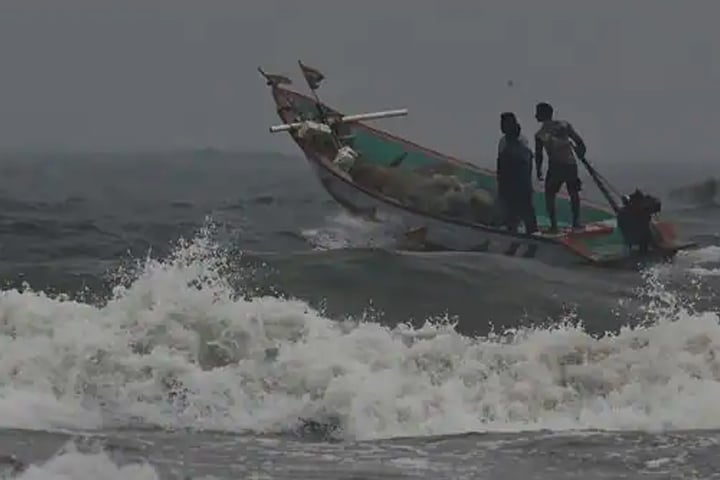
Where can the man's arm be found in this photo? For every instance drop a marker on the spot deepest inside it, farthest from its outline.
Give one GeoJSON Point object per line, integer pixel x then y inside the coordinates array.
{"type": "Point", "coordinates": [579, 143]}
{"type": "Point", "coordinates": [500, 171]}
{"type": "Point", "coordinates": [531, 155]}
{"type": "Point", "coordinates": [538, 157]}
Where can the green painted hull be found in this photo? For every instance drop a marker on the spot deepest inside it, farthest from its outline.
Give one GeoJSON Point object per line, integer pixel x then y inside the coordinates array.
{"type": "Point", "coordinates": [382, 148]}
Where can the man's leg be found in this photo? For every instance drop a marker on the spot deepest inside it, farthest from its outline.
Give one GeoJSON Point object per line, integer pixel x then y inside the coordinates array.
{"type": "Point", "coordinates": [511, 218]}
{"type": "Point", "coordinates": [529, 214]}
{"type": "Point", "coordinates": [573, 187]}
{"type": "Point", "coordinates": [552, 186]}
{"type": "Point", "coordinates": [531, 223]}
{"type": "Point", "coordinates": [575, 206]}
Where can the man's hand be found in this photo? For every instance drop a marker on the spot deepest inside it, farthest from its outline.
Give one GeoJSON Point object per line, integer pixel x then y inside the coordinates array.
{"type": "Point", "coordinates": [581, 150]}
{"type": "Point", "coordinates": [540, 176]}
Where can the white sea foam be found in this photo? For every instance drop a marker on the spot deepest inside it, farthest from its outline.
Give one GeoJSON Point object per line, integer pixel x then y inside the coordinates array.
{"type": "Point", "coordinates": [69, 464]}
{"type": "Point", "coordinates": [179, 348]}
{"type": "Point", "coordinates": [705, 272]}
{"type": "Point", "coordinates": [704, 262]}
{"type": "Point", "coordinates": [708, 254]}
{"type": "Point", "coordinates": [343, 230]}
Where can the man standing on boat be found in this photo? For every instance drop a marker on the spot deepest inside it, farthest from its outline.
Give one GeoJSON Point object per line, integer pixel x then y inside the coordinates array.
{"type": "Point", "coordinates": [555, 137]}
{"type": "Point", "coordinates": [514, 175]}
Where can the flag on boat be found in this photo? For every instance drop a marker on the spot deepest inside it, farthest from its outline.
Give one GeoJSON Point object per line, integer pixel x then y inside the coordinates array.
{"type": "Point", "coordinates": [312, 76]}
{"type": "Point", "coordinates": [275, 79]}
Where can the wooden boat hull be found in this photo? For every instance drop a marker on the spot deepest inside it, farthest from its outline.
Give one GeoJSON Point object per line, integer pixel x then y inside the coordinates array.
{"type": "Point", "coordinates": [415, 231]}
{"type": "Point", "coordinates": [600, 244]}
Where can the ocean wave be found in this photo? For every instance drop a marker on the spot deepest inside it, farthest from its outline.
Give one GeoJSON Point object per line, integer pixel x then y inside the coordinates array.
{"type": "Point", "coordinates": [177, 346]}
{"type": "Point", "coordinates": [69, 462]}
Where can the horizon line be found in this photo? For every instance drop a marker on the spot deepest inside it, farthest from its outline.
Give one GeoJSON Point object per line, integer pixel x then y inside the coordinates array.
{"type": "Point", "coordinates": [5, 150]}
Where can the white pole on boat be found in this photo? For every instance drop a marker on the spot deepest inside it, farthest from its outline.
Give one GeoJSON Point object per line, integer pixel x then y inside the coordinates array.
{"type": "Point", "coordinates": [359, 117]}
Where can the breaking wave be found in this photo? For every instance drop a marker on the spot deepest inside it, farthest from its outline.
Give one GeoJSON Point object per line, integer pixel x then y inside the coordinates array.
{"type": "Point", "coordinates": [704, 262]}
{"type": "Point", "coordinates": [176, 346]}
{"type": "Point", "coordinates": [69, 462]}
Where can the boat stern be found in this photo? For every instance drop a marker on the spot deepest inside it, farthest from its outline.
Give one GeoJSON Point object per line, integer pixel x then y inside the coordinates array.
{"type": "Point", "coordinates": [668, 239]}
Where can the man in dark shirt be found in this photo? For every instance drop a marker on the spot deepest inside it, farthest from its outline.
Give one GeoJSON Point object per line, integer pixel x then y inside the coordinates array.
{"type": "Point", "coordinates": [555, 137]}
{"type": "Point", "coordinates": [514, 175]}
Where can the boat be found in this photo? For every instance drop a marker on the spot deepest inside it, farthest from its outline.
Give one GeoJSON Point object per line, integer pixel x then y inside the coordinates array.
{"type": "Point", "coordinates": [384, 178]}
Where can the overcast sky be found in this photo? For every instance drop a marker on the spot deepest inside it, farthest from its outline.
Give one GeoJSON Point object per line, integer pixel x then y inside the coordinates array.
{"type": "Point", "coordinates": [637, 78]}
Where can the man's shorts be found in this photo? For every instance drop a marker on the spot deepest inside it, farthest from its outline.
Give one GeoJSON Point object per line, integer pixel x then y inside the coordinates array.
{"type": "Point", "coordinates": [563, 173]}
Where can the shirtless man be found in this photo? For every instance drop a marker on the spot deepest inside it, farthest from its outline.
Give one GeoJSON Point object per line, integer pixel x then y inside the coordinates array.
{"type": "Point", "coordinates": [555, 137]}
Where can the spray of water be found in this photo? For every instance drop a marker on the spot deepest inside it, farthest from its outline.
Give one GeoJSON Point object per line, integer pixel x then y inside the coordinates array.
{"type": "Point", "coordinates": [69, 462]}
{"type": "Point", "coordinates": [177, 346]}
{"type": "Point", "coordinates": [343, 230]}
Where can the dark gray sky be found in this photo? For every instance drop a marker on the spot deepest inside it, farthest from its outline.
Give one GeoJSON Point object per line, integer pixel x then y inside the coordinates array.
{"type": "Point", "coordinates": [638, 78]}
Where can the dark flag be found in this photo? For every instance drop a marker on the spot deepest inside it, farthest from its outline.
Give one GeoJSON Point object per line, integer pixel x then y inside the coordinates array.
{"type": "Point", "coordinates": [274, 79]}
{"type": "Point", "coordinates": [312, 76]}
